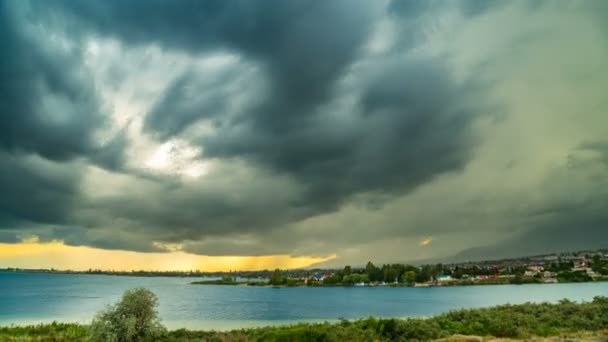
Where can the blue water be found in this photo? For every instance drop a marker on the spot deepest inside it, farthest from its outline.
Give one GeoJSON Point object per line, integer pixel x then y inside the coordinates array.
{"type": "Point", "coordinates": [34, 298]}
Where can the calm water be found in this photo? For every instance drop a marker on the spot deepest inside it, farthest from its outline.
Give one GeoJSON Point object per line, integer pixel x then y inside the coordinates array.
{"type": "Point", "coordinates": [33, 298]}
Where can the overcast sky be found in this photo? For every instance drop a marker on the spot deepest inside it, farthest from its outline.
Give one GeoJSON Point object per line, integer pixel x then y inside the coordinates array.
{"type": "Point", "coordinates": [369, 130]}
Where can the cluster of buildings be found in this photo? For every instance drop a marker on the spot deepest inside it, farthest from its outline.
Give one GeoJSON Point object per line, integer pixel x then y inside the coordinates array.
{"type": "Point", "coordinates": [545, 268]}
{"type": "Point", "coordinates": [537, 269]}
{"type": "Point", "coordinates": [319, 277]}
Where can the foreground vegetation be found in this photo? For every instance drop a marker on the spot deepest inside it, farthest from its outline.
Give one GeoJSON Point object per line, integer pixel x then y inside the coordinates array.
{"type": "Point", "coordinates": [135, 318]}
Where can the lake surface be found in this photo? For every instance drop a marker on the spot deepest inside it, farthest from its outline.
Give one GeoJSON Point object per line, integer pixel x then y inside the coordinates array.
{"type": "Point", "coordinates": [27, 298]}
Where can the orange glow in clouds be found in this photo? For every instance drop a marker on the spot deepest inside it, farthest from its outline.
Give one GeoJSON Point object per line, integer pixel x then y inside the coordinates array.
{"type": "Point", "coordinates": [33, 254]}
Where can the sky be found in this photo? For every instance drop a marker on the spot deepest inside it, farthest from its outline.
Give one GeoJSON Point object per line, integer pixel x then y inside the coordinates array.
{"type": "Point", "coordinates": [224, 135]}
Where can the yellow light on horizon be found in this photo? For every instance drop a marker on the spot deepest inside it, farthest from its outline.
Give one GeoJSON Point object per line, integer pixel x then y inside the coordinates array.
{"type": "Point", "coordinates": [426, 242]}
{"type": "Point", "coordinates": [34, 254]}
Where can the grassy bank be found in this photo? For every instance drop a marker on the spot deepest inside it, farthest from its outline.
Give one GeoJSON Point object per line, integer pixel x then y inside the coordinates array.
{"type": "Point", "coordinates": [508, 321]}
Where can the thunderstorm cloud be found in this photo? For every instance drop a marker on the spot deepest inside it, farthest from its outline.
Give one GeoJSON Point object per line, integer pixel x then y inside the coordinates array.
{"type": "Point", "coordinates": [308, 128]}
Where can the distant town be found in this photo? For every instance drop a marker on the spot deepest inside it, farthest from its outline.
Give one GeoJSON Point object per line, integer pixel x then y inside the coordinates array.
{"type": "Point", "coordinates": [582, 266]}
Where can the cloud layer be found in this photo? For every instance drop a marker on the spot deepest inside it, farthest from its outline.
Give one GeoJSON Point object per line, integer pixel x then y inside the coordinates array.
{"type": "Point", "coordinates": [307, 128]}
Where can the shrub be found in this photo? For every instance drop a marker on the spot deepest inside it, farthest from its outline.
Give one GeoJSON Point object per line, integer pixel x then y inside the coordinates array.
{"type": "Point", "coordinates": [133, 319]}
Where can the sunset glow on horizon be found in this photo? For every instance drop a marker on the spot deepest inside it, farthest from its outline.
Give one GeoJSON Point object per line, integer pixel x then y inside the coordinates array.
{"type": "Point", "coordinates": [46, 255]}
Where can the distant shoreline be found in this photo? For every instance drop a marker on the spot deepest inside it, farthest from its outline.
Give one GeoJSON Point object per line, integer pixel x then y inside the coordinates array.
{"type": "Point", "coordinates": [260, 283]}
{"type": "Point", "coordinates": [576, 267]}
{"type": "Point", "coordinates": [220, 283]}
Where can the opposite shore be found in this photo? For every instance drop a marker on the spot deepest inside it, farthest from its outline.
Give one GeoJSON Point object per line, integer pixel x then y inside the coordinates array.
{"type": "Point", "coordinates": [565, 268]}
{"type": "Point", "coordinates": [571, 267]}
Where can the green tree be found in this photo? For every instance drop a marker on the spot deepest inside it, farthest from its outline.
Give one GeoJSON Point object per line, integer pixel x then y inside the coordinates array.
{"type": "Point", "coordinates": [596, 264]}
{"type": "Point", "coordinates": [134, 318]}
{"type": "Point", "coordinates": [424, 274]}
{"type": "Point", "coordinates": [347, 270]}
{"type": "Point", "coordinates": [374, 273]}
{"type": "Point", "coordinates": [389, 274]}
{"type": "Point", "coordinates": [333, 280]}
{"type": "Point", "coordinates": [354, 278]}
{"type": "Point", "coordinates": [410, 277]}
{"type": "Point", "coordinates": [276, 278]}
{"type": "Point", "coordinates": [369, 268]}
{"type": "Point", "coordinates": [457, 274]}
{"type": "Point", "coordinates": [518, 279]}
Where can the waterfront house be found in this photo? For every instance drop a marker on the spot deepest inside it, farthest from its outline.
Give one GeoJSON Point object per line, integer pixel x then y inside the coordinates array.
{"type": "Point", "coordinates": [444, 278]}
{"type": "Point", "coordinates": [592, 273]}
{"type": "Point", "coordinates": [317, 277]}
{"type": "Point", "coordinates": [547, 274]}
{"type": "Point", "coordinates": [422, 285]}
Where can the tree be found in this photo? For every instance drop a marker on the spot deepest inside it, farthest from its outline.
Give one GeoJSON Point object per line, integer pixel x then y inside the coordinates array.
{"type": "Point", "coordinates": [457, 274]}
{"type": "Point", "coordinates": [518, 279]}
{"type": "Point", "coordinates": [399, 270]}
{"type": "Point", "coordinates": [134, 318]}
{"type": "Point", "coordinates": [347, 270]}
{"type": "Point", "coordinates": [276, 278]}
{"type": "Point", "coordinates": [369, 268]}
{"type": "Point", "coordinates": [333, 280]}
{"type": "Point", "coordinates": [597, 264]}
{"type": "Point", "coordinates": [374, 273]}
{"type": "Point", "coordinates": [354, 278]}
{"type": "Point", "coordinates": [389, 274]}
{"type": "Point", "coordinates": [410, 277]}
{"type": "Point", "coordinates": [424, 274]}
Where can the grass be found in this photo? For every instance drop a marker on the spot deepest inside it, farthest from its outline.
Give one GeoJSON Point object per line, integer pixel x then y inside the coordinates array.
{"type": "Point", "coordinates": [45, 332]}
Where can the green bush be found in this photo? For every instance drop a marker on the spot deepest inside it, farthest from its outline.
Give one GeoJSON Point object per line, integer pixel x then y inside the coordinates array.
{"type": "Point", "coordinates": [133, 319]}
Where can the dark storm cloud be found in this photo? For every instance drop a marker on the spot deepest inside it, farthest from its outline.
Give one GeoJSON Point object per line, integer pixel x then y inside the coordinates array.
{"type": "Point", "coordinates": [191, 98]}
{"type": "Point", "coordinates": [566, 220]}
{"type": "Point", "coordinates": [48, 117]}
{"type": "Point", "coordinates": [309, 120]}
{"type": "Point", "coordinates": [226, 203]}
{"type": "Point", "coordinates": [303, 45]}
{"type": "Point", "coordinates": [412, 16]}
{"type": "Point", "coordinates": [34, 190]}
{"type": "Point", "coordinates": [109, 238]}
{"type": "Point", "coordinates": [111, 154]}
{"type": "Point", "coordinates": [49, 106]}
{"type": "Point", "coordinates": [8, 237]}
{"type": "Point", "coordinates": [477, 7]}
{"type": "Point", "coordinates": [413, 8]}
{"type": "Point", "coordinates": [573, 229]}
{"type": "Point", "coordinates": [408, 125]}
